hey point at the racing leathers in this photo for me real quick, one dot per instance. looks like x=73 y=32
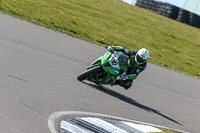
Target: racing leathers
x=134 y=69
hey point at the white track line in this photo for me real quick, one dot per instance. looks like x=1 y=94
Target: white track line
x=52 y=118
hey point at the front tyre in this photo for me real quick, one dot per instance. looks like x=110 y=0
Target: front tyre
x=89 y=73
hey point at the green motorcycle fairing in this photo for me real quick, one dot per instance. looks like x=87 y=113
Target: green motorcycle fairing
x=113 y=64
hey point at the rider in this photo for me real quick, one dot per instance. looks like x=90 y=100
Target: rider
x=137 y=63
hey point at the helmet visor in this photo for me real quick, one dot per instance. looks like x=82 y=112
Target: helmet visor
x=139 y=59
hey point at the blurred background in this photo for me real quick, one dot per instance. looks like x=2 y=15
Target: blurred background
x=185 y=11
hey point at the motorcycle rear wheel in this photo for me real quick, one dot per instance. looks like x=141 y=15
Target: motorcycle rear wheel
x=86 y=74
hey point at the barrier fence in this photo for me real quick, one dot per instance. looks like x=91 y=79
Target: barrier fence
x=170 y=11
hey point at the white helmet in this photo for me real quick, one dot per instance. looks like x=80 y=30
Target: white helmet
x=142 y=56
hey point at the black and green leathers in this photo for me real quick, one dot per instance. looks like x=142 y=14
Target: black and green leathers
x=134 y=69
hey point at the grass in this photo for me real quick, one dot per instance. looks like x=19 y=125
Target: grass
x=171 y=44
x=167 y=131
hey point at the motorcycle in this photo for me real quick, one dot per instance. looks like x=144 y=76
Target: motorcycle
x=106 y=69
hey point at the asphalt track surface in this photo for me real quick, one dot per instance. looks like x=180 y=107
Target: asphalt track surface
x=38 y=70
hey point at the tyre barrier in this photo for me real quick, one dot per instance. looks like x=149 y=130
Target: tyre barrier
x=170 y=11
x=139 y=3
x=175 y=11
x=158 y=7
x=194 y=20
x=183 y=16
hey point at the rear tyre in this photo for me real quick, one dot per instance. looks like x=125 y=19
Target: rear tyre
x=89 y=73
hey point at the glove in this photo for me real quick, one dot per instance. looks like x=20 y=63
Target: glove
x=110 y=49
x=123 y=76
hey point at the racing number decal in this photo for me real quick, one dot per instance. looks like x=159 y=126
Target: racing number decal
x=106 y=56
x=114 y=62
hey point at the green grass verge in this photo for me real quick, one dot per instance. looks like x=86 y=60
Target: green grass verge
x=167 y=131
x=112 y=22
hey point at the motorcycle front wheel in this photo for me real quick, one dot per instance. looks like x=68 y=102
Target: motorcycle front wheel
x=90 y=72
